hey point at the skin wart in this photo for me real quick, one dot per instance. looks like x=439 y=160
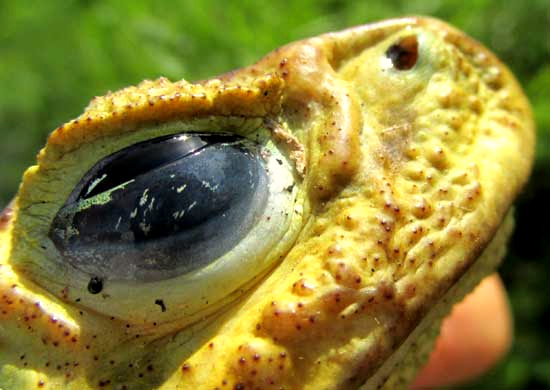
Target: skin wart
x=409 y=143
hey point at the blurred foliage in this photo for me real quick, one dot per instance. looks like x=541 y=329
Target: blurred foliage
x=56 y=55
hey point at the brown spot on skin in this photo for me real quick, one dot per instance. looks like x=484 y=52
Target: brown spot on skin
x=65 y=293
x=345 y=272
x=303 y=287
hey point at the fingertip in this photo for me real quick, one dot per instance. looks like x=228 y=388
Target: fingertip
x=476 y=334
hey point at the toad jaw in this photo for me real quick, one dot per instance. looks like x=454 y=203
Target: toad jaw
x=402 y=176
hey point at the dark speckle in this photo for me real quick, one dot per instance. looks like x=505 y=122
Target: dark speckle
x=95 y=285
x=160 y=302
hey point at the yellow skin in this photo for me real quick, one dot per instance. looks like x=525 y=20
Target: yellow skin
x=401 y=181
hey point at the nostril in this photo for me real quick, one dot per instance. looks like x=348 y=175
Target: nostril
x=404 y=53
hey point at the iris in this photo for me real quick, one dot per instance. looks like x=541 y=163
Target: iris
x=163 y=207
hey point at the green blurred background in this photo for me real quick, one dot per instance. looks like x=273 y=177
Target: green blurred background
x=56 y=55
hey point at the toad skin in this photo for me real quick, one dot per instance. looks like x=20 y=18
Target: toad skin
x=408 y=143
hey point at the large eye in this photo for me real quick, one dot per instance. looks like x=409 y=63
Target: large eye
x=175 y=226
x=162 y=208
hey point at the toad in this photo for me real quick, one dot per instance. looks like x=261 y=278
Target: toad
x=301 y=223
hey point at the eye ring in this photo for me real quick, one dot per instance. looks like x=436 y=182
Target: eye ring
x=404 y=53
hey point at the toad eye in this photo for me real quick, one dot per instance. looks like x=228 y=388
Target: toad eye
x=190 y=218
x=163 y=207
x=404 y=53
